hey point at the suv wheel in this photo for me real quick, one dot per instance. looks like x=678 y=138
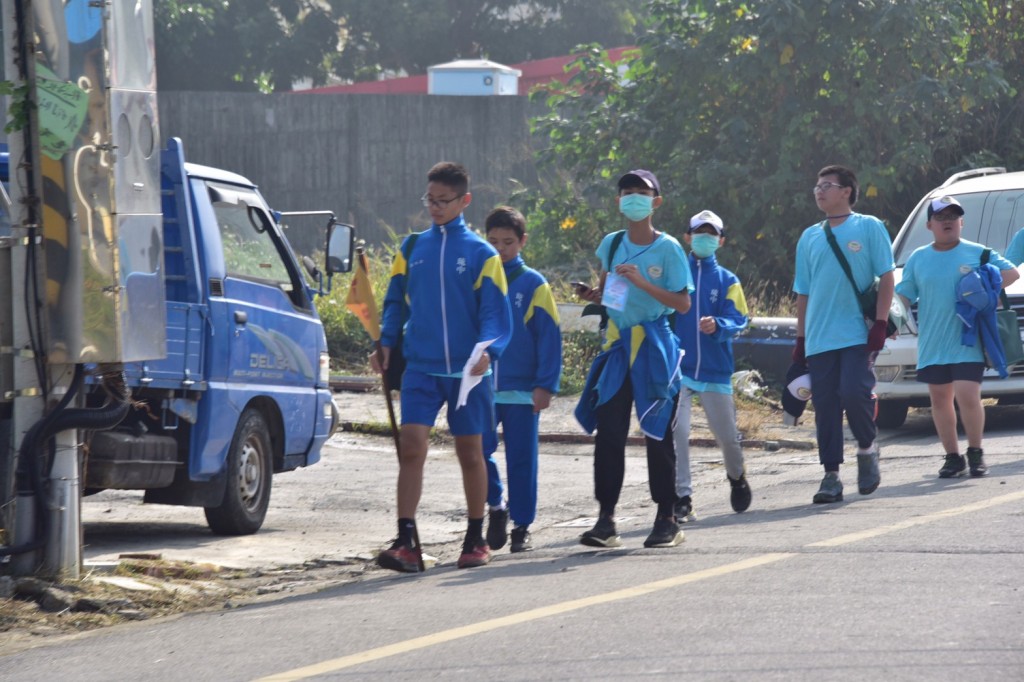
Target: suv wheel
x=891 y=414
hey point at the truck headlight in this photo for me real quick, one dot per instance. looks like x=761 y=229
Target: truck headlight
x=887 y=373
x=325 y=369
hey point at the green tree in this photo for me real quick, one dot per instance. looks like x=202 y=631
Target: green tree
x=736 y=105
x=394 y=36
x=254 y=46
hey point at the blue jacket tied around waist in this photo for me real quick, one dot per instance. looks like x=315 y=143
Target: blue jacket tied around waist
x=653 y=369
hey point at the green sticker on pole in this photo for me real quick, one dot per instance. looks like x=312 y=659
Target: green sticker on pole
x=62 y=110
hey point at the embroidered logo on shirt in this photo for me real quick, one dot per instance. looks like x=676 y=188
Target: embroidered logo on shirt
x=854 y=246
x=460 y=265
x=714 y=295
x=519 y=300
x=654 y=271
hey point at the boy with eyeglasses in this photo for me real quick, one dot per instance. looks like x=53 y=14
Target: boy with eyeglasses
x=524 y=380
x=833 y=340
x=449 y=294
x=952 y=369
x=705 y=331
x=644 y=278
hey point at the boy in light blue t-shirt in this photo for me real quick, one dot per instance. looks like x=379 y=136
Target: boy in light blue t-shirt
x=644 y=277
x=952 y=370
x=833 y=340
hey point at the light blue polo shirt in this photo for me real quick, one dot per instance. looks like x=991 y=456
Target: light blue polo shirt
x=834 y=319
x=663 y=264
x=930 y=279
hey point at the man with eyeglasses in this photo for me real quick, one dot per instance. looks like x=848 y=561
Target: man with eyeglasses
x=449 y=293
x=949 y=355
x=833 y=338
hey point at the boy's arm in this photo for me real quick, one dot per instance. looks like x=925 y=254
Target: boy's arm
x=394 y=310
x=542 y=322
x=495 y=312
x=733 y=317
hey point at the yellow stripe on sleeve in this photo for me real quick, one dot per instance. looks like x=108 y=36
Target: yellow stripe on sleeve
x=493 y=269
x=545 y=300
x=735 y=294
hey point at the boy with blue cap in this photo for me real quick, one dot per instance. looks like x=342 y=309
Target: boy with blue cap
x=952 y=370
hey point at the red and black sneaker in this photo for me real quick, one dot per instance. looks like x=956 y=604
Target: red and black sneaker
x=475 y=555
x=400 y=557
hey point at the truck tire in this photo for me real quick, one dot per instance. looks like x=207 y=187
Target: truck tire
x=891 y=414
x=249 y=472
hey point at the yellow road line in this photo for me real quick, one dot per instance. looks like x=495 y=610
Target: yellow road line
x=376 y=654
x=917 y=521
x=436 y=638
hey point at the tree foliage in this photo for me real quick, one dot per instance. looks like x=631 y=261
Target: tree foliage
x=736 y=105
x=266 y=45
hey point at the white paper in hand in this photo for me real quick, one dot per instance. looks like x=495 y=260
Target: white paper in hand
x=468 y=379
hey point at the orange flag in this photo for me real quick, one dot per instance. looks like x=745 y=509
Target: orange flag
x=360 y=297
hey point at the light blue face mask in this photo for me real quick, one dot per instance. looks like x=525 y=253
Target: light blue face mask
x=703 y=245
x=636 y=207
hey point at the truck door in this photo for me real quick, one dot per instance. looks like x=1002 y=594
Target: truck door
x=275 y=338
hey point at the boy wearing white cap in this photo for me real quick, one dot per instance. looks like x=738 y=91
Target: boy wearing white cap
x=952 y=369
x=717 y=314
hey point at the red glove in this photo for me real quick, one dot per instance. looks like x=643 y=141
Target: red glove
x=876 y=336
x=799 y=354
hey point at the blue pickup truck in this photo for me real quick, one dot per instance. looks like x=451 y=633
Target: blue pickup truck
x=242 y=391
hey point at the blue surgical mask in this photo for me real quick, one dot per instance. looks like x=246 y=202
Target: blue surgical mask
x=636 y=207
x=703 y=245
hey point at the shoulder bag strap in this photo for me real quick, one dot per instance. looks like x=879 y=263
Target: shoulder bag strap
x=839 y=256
x=616 y=240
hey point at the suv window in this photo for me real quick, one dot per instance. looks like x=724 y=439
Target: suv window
x=991 y=218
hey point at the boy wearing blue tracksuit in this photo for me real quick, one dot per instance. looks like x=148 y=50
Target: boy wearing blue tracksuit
x=525 y=378
x=644 y=278
x=449 y=294
x=705 y=331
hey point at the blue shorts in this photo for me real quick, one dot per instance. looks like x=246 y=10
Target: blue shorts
x=423 y=395
x=947 y=374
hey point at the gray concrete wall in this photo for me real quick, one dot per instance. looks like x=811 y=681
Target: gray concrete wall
x=363 y=156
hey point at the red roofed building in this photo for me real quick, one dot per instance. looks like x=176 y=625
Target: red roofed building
x=533 y=73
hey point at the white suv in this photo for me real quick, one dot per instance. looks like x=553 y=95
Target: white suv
x=993 y=202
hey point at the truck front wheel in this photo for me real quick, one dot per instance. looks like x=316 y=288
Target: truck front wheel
x=249 y=472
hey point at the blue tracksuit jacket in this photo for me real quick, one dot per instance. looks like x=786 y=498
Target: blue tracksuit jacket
x=451 y=294
x=718 y=294
x=533 y=359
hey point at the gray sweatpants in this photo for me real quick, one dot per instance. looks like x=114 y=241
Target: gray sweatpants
x=720 y=409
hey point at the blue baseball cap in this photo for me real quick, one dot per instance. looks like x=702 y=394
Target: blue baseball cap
x=646 y=178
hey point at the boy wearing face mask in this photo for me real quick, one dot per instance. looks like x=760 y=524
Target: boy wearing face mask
x=644 y=278
x=705 y=331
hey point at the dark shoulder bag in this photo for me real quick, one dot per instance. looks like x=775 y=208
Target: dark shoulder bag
x=867 y=299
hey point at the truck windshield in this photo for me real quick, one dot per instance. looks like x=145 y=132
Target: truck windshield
x=250 y=251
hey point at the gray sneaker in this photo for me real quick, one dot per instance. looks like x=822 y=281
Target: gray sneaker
x=868 y=475
x=831 y=489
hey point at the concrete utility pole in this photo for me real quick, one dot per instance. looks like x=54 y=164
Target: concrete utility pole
x=28 y=384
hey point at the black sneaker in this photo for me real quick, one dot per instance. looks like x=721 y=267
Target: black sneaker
x=665 y=533
x=976 y=462
x=497 y=528
x=522 y=541
x=603 y=534
x=953 y=466
x=740 y=496
x=684 y=510
x=831 y=489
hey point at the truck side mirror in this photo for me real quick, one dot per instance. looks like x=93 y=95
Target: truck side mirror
x=340 y=246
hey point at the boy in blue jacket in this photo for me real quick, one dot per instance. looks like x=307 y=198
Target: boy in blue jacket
x=450 y=296
x=524 y=380
x=952 y=370
x=705 y=331
x=644 y=278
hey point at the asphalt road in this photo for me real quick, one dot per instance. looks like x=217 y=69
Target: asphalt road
x=919 y=581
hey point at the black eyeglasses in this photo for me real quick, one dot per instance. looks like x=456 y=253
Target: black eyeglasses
x=438 y=203
x=825 y=186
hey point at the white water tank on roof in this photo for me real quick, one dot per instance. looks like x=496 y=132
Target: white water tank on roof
x=472 y=77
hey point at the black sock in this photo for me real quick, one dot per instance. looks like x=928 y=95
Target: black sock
x=666 y=509
x=474 y=533
x=407 y=532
